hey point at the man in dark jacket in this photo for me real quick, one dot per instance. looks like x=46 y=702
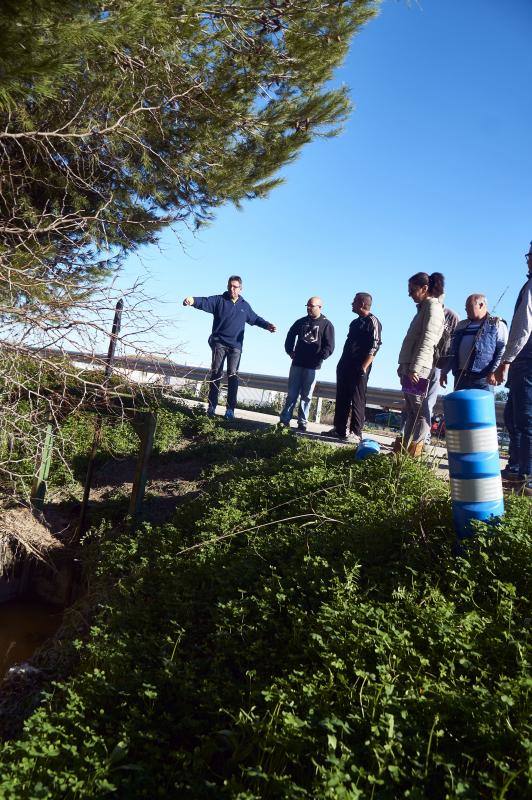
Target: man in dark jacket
x=352 y=373
x=231 y=312
x=518 y=411
x=315 y=343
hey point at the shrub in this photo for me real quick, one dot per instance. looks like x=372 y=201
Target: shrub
x=300 y=630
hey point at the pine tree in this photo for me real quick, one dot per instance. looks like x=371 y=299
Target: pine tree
x=118 y=118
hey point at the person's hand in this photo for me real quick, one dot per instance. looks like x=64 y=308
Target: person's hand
x=491 y=379
x=500 y=373
x=414 y=377
x=272 y=328
x=188 y=301
x=443 y=381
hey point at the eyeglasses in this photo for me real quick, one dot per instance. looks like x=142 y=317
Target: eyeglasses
x=313 y=305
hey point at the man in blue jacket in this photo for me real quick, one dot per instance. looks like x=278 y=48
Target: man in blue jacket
x=231 y=312
x=477 y=345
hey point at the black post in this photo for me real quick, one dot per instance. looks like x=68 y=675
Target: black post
x=98 y=428
x=112 y=344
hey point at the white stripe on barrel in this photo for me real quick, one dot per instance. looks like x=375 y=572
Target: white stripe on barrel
x=476 y=490
x=478 y=440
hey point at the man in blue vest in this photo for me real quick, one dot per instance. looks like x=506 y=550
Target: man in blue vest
x=518 y=411
x=231 y=313
x=476 y=347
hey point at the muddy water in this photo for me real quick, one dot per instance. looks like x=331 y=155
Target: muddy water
x=24 y=625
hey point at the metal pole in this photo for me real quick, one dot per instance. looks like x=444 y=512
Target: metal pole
x=98 y=427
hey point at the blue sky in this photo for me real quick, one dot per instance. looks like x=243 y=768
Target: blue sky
x=433 y=172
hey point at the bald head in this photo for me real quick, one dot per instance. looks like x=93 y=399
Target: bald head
x=476 y=307
x=314 y=305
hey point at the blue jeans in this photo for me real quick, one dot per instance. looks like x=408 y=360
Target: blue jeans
x=518 y=416
x=219 y=353
x=468 y=380
x=301 y=382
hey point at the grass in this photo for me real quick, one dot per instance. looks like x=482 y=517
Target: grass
x=300 y=629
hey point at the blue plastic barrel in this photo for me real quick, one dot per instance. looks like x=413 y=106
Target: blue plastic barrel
x=473 y=449
x=367 y=447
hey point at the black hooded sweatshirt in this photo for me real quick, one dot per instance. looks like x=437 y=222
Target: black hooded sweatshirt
x=315 y=341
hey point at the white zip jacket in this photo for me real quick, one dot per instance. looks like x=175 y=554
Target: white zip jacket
x=422 y=337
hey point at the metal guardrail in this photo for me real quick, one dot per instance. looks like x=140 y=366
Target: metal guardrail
x=384 y=398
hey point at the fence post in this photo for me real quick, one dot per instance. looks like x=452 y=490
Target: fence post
x=98 y=427
x=145 y=427
x=38 y=489
x=317 y=415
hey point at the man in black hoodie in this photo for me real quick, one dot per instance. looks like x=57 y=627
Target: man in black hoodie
x=315 y=343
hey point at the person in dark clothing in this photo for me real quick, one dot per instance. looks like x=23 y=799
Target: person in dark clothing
x=230 y=312
x=517 y=357
x=315 y=343
x=352 y=373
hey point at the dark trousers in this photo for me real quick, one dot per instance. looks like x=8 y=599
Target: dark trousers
x=518 y=416
x=351 y=386
x=471 y=380
x=219 y=353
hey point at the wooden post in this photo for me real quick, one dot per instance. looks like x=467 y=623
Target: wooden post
x=145 y=427
x=319 y=403
x=117 y=321
x=38 y=489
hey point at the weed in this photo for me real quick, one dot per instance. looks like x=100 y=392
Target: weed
x=299 y=630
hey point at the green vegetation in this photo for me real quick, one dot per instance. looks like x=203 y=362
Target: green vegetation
x=298 y=630
x=120 y=117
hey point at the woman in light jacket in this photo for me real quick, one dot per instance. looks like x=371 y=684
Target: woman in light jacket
x=418 y=355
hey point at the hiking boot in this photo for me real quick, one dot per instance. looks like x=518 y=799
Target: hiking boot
x=510 y=474
x=398 y=446
x=229 y=413
x=301 y=428
x=415 y=449
x=211 y=411
x=519 y=485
